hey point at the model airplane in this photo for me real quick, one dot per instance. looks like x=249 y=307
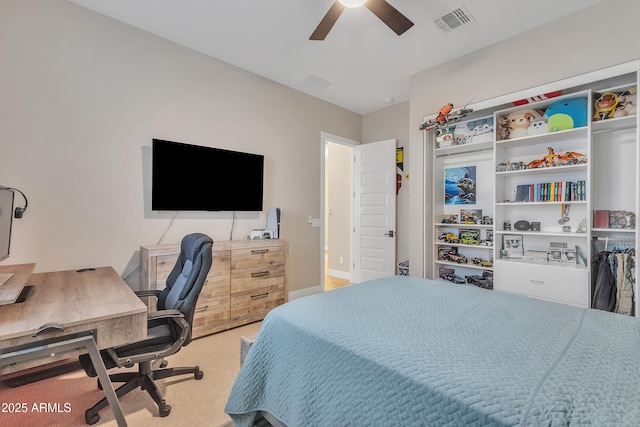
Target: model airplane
x=445 y=116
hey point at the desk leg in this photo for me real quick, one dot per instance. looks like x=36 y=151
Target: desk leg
x=106 y=382
x=67 y=344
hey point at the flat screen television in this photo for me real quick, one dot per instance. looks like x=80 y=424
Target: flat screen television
x=188 y=177
x=6 y=218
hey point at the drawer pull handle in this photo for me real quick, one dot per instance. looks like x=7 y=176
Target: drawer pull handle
x=259 y=251
x=260 y=274
x=537 y=282
x=199 y=309
x=259 y=296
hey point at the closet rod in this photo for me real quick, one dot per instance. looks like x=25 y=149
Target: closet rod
x=613 y=239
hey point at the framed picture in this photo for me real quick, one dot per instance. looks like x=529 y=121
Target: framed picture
x=512 y=243
x=460 y=186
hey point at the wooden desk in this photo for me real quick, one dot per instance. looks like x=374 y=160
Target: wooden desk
x=10 y=291
x=95 y=309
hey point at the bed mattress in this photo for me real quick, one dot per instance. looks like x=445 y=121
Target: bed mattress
x=415 y=352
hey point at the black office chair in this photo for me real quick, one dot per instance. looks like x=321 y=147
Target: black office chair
x=168 y=329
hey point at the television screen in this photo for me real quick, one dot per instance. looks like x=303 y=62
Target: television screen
x=6 y=217
x=189 y=177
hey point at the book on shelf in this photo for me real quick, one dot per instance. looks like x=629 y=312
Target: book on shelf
x=560 y=191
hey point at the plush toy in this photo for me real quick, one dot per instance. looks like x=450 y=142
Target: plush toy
x=462 y=134
x=519 y=122
x=482 y=130
x=538 y=126
x=605 y=106
x=566 y=114
x=502 y=128
x=444 y=138
x=627 y=105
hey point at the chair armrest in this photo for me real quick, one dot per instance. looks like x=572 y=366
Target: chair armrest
x=164 y=314
x=148 y=293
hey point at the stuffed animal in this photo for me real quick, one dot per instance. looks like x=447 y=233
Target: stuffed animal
x=502 y=128
x=482 y=130
x=519 y=122
x=605 y=106
x=538 y=126
x=566 y=114
x=444 y=138
x=462 y=134
x=627 y=105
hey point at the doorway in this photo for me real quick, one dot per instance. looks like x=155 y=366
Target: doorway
x=337 y=211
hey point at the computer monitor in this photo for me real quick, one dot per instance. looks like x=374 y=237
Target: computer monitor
x=6 y=218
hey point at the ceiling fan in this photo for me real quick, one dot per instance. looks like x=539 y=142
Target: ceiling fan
x=383 y=10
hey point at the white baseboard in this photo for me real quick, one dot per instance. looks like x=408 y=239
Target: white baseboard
x=339 y=274
x=305 y=292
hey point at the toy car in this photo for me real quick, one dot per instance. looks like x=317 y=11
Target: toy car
x=470 y=237
x=448 y=237
x=452 y=278
x=449 y=219
x=452 y=257
x=481 y=262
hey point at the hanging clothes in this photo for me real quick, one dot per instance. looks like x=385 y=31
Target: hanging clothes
x=604 y=296
x=624 y=283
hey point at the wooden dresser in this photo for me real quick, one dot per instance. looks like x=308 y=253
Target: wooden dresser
x=247 y=279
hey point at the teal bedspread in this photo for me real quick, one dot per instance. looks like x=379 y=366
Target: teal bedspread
x=403 y=351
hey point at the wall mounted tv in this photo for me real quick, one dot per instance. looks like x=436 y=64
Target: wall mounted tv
x=189 y=177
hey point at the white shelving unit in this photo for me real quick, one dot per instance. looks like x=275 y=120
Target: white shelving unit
x=607 y=166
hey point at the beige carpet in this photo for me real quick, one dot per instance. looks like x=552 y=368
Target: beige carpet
x=62 y=400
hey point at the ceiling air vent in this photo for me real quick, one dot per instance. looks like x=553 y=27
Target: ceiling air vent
x=454 y=19
x=313 y=82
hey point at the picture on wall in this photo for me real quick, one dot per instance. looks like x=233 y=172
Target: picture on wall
x=460 y=186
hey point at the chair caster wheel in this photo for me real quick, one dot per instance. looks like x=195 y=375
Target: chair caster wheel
x=198 y=374
x=91 y=418
x=164 y=410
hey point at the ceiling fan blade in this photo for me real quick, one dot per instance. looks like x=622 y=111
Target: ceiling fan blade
x=389 y=15
x=327 y=22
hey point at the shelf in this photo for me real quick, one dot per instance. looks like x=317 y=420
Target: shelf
x=464 y=148
x=443 y=225
x=578 y=202
x=544 y=233
x=543 y=171
x=465 y=265
x=461 y=245
x=607 y=177
x=545 y=138
x=618 y=123
x=614 y=230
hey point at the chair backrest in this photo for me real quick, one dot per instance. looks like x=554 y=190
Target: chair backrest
x=187 y=278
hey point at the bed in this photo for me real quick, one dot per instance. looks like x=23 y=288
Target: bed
x=414 y=352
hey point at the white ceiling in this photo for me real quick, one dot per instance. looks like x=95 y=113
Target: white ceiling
x=367 y=64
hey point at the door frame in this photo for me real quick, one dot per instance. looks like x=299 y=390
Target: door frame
x=326 y=138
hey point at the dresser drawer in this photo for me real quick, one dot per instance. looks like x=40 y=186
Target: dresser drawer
x=257 y=258
x=250 y=307
x=248 y=281
x=565 y=284
x=164 y=265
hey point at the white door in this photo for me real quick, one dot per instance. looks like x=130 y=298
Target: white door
x=374 y=213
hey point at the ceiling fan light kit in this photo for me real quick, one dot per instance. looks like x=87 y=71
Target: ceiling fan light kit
x=383 y=10
x=352 y=3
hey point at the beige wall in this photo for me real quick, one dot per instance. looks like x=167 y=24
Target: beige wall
x=564 y=48
x=339 y=164
x=82 y=97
